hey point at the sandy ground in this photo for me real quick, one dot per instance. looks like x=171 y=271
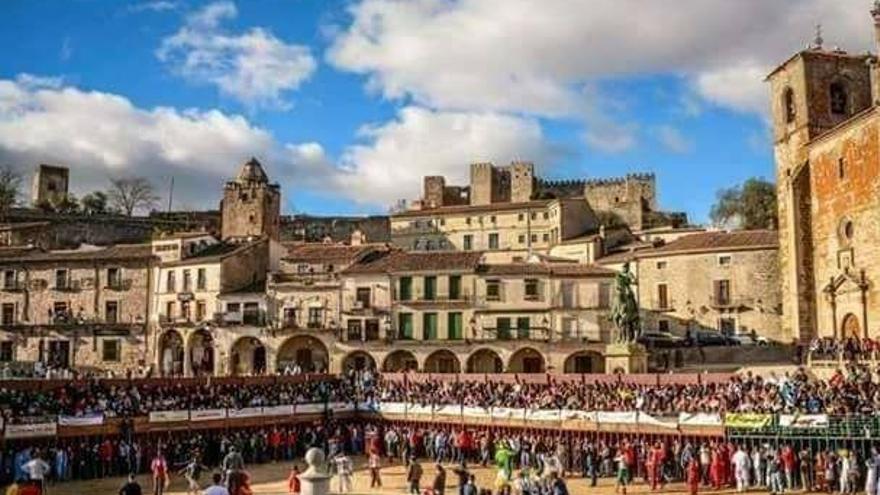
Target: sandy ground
x=272 y=479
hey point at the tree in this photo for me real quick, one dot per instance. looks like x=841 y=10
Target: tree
x=94 y=203
x=10 y=186
x=65 y=204
x=128 y=194
x=749 y=206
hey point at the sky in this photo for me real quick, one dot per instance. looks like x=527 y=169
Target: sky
x=348 y=104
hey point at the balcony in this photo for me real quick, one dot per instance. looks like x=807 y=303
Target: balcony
x=463 y=300
x=663 y=305
x=305 y=279
x=67 y=285
x=13 y=286
x=513 y=333
x=252 y=318
x=730 y=302
x=119 y=284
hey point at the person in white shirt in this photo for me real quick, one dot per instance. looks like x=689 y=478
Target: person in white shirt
x=740 y=462
x=37 y=469
x=344 y=468
x=217 y=488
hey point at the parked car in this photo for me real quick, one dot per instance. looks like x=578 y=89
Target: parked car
x=749 y=339
x=660 y=340
x=707 y=338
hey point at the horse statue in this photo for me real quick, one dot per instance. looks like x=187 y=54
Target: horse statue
x=625 y=310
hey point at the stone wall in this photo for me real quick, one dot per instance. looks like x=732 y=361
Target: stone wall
x=307 y=228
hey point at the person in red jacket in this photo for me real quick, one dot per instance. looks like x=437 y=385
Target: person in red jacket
x=788 y=465
x=716 y=468
x=693 y=476
x=106 y=453
x=293 y=484
x=275 y=444
x=658 y=457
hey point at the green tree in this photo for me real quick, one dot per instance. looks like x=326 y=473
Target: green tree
x=10 y=187
x=66 y=204
x=94 y=203
x=751 y=205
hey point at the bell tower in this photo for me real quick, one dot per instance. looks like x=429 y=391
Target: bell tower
x=251 y=206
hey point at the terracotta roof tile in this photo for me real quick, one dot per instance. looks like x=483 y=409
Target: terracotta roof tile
x=327 y=253
x=447 y=210
x=718 y=241
x=117 y=252
x=402 y=262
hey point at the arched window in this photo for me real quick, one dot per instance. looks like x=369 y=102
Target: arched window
x=839 y=98
x=788 y=105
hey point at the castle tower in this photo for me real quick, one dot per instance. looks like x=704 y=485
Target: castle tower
x=481 y=183
x=811 y=92
x=251 y=206
x=522 y=181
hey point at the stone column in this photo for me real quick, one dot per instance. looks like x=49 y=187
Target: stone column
x=314 y=480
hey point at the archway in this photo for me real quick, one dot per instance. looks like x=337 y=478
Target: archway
x=171 y=354
x=399 y=361
x=526 y=360
x=358 y=360
x=850 y=328
x=201 y=353
x=582 y=362
x=485 y=361
x=248 y=357
x=305 y=352
x=442 y=361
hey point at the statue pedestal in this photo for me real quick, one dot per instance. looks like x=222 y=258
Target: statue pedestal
x=314 y=481
x=626 y=358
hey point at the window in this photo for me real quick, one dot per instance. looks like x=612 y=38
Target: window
x=661 y=265
x=9 y=281
x=727 y=326
x=545 y=237
x=114 y=278
x=492 y=219
x=110 y=350
x=111 y=312
x=201 y=279
x=371 y=330
x=468 y=242
x=841 y=168
x=315 y=317
x=848 y=230
x=185 y=311
x=604 y=295
x=662 y=296
x=663 y=326
x=502 y=327
x=353 y=330
x=453 y=326
x=187 y=281
x=61 y=279
x=722 y=292
x=430 y=288
x=493 y=241
x=493 y=290
x=467 y=220
x=522 y=328
x=7 y=317
x=290 y=317
x=724 y=260
x=546 y=215
x=520 y=217
x=532 y=290
x=788 y=104
x=838 y=98
x=362 y=296
x=405 y=288
x=455 y=287
x=568 y=294
x=170 y=282
x=534 y=238
x=169 y=309
x=233 y=307
x=429 y=326
x=405 y=326
x=60 y=312
x=7 y=351
x=522 y=239
x=534 y=216
x=200 y=310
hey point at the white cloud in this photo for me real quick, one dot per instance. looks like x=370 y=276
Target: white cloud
x=253 y=67
x=611 y=138
x=101 y=135
x=531 y=57
x=154 y=6
x=672 y=139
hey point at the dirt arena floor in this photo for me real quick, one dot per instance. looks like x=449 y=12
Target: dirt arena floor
x=271 y=479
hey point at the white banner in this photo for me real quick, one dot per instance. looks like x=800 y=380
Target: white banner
x=803 y=420
x=542 y=415
x=476 y=412
x=341 y=406
x=699 y=419
x=506 y=413
x=32 y=430
x=90 y=420
x=647 y=419
x=419 y=409
x=278 y=410
x=572 y=415
x=390 y=407
x=309 y=408
x=245 y=412
x=168 y=416
x=450 y=410
x=207 y=414
x=628 y=417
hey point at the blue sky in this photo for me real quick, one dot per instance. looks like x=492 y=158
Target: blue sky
x=349 y=103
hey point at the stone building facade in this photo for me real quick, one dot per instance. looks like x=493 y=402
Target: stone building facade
x=50 y=184
x=251 y=206
x=77 y=308
x=825 y=130
x=724 y=282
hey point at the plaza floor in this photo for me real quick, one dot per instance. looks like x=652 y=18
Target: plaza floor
x=271 y=479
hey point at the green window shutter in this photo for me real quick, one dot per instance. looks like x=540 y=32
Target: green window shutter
x=503 y=328
x=406 y=325
x=522 y=328
x=454 y=326
x=430 y=288
x=429 y=326
x=454 y=287
x=405 y=288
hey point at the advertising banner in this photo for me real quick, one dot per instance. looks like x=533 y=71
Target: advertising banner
x=246 y=412
x=207 y=414
x=278 y=410
x=33 y=430
x=90 y=420
x=699 y=419
x=749 y=421
x=168 y=416
x=803 y=420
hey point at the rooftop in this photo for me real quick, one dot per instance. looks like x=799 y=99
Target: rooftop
x=339 y=254
x=458 y=209
x=400 y=261
x=84 y=253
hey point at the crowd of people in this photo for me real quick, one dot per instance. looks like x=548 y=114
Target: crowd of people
x=849 y=349
x=852 y=391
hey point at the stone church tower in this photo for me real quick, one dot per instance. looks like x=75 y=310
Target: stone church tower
x=251 y=206
x=816 y=94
